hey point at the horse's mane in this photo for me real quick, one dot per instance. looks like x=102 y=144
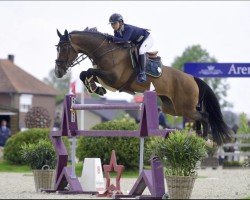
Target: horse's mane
x=90 y=31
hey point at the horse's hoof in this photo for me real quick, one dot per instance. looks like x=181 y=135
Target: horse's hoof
x=100 y=91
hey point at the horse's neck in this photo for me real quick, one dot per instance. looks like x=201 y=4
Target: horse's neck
x=86 y=43
x=100 y=51
x=95 y=47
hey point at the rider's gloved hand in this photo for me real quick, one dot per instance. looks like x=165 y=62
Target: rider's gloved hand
x=110 y=38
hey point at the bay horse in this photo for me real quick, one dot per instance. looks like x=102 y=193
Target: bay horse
x=181 y=94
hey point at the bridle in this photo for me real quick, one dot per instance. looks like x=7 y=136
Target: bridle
x=81 y=57
x=69 y=64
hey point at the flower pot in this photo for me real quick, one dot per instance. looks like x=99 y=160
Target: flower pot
x=180 y=187
x=44 y=178
x=210 y=162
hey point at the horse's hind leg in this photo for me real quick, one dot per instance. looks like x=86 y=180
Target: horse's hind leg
x=167 y=105
x=198 y=123
x=205 y=123
x=199 y=117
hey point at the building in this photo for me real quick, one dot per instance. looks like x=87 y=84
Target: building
x=19 y=91
x=93 y=117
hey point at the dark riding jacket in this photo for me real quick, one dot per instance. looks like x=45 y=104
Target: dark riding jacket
x=130 y=33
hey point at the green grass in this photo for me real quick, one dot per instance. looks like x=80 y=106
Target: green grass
x=8 y=167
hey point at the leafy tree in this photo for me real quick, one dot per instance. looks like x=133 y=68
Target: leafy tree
x=244 y=128
x=62 y=84
x=196 y=54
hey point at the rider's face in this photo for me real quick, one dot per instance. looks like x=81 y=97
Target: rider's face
x=115 y=26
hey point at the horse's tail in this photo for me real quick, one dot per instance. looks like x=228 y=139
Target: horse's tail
x=220 y=131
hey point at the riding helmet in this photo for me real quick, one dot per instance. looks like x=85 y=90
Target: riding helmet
x=115 y=18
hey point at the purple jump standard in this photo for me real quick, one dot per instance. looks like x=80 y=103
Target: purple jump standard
x=149 y=126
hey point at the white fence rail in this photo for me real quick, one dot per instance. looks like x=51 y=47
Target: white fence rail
x=237 y=145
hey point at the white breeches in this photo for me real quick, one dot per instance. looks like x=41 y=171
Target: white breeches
x=146 y=45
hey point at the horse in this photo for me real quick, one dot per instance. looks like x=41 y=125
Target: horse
x=180 y=93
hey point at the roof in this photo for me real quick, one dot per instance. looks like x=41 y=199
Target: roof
x=15 y=80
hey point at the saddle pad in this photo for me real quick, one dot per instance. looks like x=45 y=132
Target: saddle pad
x=153 y=66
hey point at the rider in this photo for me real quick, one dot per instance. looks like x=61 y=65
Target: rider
x=139 y=36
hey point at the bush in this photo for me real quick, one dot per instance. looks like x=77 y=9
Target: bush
x=211 y=150
x=244 y=128
x=127 y=149
x=40 y=154
x=180 y=152
x=12 y=148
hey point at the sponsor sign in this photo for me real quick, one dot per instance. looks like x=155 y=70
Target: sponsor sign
x=218 y=69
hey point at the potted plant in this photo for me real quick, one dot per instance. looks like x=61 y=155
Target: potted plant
x=179 y=154
x=41 y=158
x=210 y=160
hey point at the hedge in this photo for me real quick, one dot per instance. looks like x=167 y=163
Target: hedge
x=12 y=148
x=127 y=149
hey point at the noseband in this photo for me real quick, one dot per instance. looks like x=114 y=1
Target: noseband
x=66 y=62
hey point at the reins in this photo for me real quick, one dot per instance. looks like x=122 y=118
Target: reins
x=81 y=57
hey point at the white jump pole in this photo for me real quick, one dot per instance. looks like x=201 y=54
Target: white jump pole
x=141 y=154
x=73 y=154
x=73 y=144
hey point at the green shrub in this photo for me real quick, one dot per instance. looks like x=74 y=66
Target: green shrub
x=180 y=152
x=127 y=149
x=12 y=148
x=244 y=128
x=211 y=150
x=40 y=154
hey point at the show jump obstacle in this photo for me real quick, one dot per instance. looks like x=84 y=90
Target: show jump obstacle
x=149 y=126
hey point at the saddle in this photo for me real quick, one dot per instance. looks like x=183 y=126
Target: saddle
x=153 y=66
x=153 y=63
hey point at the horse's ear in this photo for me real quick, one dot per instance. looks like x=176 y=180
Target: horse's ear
x=58 y=33
x=66 y=33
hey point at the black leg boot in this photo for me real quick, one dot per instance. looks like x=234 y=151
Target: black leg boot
x=141 y=78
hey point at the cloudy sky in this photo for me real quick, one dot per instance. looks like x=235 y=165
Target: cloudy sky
x=28 y=30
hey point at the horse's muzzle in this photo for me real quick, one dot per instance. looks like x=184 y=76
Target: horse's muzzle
x=59 y=72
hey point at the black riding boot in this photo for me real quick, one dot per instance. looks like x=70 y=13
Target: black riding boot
x=141 y=78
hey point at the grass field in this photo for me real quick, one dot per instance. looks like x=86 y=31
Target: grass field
x=8 y=167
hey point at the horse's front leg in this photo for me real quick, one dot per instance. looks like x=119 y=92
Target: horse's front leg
x=108 y=77
x=89 y=82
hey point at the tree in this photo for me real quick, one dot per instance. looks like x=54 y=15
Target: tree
x=196 y=54
x=62 y=84
x=244 y=128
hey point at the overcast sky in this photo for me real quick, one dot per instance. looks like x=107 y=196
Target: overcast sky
x=28 y=30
